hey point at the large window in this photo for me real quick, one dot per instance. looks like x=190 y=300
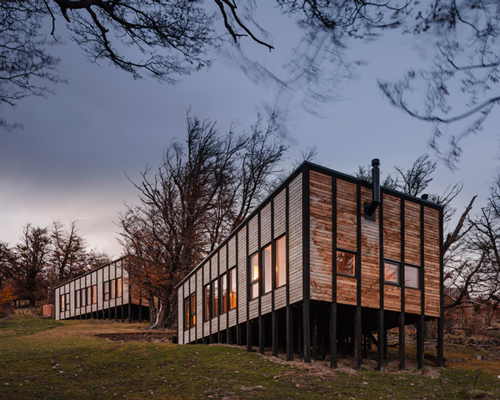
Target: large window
x=119 y=287
x=77 y=299
x=267 y=268
x=345 y=263
x=190 y=312
x=254 y=276
x=391 y=272
x=281 y=261
x=106 y=290
x=64 y=303
x=412 y=275
x=224 y=293
x=215 y=298
x=112 y=289
x=89 y=295
x=232 y=288
x=94 y=294
x=208 y=302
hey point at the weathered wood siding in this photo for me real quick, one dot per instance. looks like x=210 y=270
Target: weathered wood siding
x=180 y=314
x=253 y=308
x=346 y=215
x=370 y=264
x=412 y=233
x=392 y=227
x=113 y=270
x=346 y=237
x=295 y=240
x=280 y=298
x=431 y=262
x=265 y=225
x=320 y=189
x=242 y=275
x=199 y=304
x=266 y=305
x=280 y=214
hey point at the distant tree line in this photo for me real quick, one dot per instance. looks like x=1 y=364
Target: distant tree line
x=44 y=258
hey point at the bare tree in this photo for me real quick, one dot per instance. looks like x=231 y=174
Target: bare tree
x=200 y=192
x=24 y=63
x=461 y=84
x=46 y=257
x=27 y=267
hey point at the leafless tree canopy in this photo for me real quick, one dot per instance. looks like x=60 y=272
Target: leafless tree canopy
x=46 y=257
x=203 y=189
x=461 y=84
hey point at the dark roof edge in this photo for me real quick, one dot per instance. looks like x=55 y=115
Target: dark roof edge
x=91 y=271
x=312 y=166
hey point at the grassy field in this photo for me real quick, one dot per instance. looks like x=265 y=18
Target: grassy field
x=45 y=359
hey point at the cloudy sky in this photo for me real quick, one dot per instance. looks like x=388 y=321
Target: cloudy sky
x=72 y=158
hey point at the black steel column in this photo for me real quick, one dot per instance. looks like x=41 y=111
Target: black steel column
x=402 y=284
x=358 y=353
x=421 y=285
x=381 y=313
x=440 y=343
x=289 y=310
x=306 y=265
x=333 y=306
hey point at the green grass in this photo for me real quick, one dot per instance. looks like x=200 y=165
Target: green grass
x=44 y=359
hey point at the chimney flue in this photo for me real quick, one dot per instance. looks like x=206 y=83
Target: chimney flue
x=371 y=207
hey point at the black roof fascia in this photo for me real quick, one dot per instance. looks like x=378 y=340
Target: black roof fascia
x=312 y=167
x=91 y=271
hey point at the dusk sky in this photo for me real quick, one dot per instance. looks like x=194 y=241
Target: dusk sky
x=70 y=160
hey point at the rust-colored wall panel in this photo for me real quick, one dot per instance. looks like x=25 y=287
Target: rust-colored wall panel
x=431 y=261
x=412 y=301
x=320 y=187
x=392 y=227
x=346 y=215
x=370 y=269
x=346 y=290
x=412 y=233
x=392 y=298
x=295 y=241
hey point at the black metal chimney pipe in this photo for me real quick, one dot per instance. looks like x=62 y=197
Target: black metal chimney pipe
x=376 y=187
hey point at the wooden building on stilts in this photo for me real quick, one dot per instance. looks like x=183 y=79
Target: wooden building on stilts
x=103 y=293
x=323 y=265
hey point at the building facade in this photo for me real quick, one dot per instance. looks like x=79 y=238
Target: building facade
x=326 y=264
x=102 y=293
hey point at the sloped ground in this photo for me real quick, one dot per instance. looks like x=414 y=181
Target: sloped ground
x=44 y=359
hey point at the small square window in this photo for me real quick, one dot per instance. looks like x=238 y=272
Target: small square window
x=391 y=272
x=412 y=275
x=345 y=263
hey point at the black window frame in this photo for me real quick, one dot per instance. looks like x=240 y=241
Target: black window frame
x=106 y=293
x=119 y=285
x=223 y=307
x=418 y=268
x=353 y=253
x=397 y=264
x=190 y=311
x=215 y=290
x=229 y=272
x=94 y=294
x=254 y=282
x=62 y=303
x=207 y=303
x=276 y=274
x=264 y=274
